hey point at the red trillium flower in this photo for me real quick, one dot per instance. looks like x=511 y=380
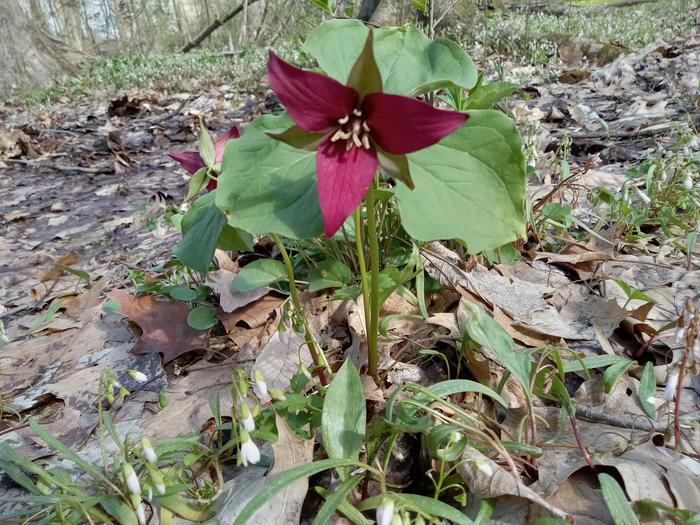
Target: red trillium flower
x=354 y=129
x=193 y=162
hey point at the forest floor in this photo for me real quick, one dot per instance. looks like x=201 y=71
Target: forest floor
x=88 y=196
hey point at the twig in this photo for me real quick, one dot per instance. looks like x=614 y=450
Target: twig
x=216 y=24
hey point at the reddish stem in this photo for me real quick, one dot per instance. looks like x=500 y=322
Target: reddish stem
x=579 y=441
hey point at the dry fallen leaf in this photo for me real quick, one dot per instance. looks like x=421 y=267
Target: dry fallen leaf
x=163 y=324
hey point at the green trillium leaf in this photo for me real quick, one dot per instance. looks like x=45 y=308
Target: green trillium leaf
x=409 y=62
x=364 y=76
x=204 y=229
x=267 y=186
x=468 y=186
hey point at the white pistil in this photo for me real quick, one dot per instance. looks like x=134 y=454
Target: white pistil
x=356 y=140
x=365 y=141
x=365 y=126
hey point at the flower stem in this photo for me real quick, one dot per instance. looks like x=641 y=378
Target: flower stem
x=363 y=267
x=374 y=292
x=318 y=358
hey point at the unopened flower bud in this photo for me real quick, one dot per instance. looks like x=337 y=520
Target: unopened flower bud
x=148 y=453
x=247 y=417
x=137 y=376
x=696 y=349
x=645 y=198
x=277 y=394
x=141 y=514
x=484 y=467
x=385 y=512
x=132 y=482
x=259 y=385
x=671 y=384
x=688 y=182
x=157 y=479
x=249 y=450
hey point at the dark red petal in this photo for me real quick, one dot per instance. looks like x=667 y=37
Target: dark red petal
x=402 y=125
x=223 y=139
x=190 y=160
x=314 y=101
x=343 y=179
x=212 y=185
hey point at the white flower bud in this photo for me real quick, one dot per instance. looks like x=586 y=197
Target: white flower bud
x=132 y=482
x=385 y=512
x=141 y=514
x=259 y=385
x=455 y=436
x=645 y=198
x=148 y=453
x=249 y=450
x=671 y=384
x=157 y=479
x=247 y=417
x=484 y=467
x=696 y=349
x=688 y=182
x=137 y=376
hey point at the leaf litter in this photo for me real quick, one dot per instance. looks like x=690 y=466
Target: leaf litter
x=60 y=165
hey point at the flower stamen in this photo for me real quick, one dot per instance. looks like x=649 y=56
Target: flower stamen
x=357 y=112
x=344 y=120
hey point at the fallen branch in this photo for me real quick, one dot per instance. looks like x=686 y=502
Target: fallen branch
x=216 y=24
x=558 y=10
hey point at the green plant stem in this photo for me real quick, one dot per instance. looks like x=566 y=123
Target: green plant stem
x=374 y=292
x=319 y=361
x=361 y=263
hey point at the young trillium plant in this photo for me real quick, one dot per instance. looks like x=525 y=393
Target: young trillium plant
x=192 y=161
x=354 y=129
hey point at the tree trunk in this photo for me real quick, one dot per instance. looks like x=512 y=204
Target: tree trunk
x=27 y=54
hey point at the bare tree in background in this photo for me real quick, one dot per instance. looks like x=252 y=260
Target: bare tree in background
x=27 y=54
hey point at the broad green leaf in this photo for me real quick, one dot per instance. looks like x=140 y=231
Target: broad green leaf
x=329 y=274
x=183 y=508
x=267 y=186
x=334 y=499
x=280 y=481
x=485 y=331
x=633 y=293
x=620 y=509
x=200 y=227
x=647 y=390
x=119 y=510
x=344 y=414
x=409 y=62
x=469 y=186
x=181 y=293
x=234 y=240
x=613 y=373
x=257 y=274
x=486 y=95
x=202 y=318
x=414 y=502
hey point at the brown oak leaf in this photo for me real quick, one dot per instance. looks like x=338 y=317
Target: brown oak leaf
x=163 y=325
